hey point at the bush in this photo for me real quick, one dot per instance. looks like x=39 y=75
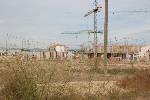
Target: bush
x=18 y=84
x=138 y=82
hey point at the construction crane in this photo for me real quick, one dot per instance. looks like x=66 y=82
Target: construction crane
x=94 y=11
x=75 y=33
x=89 y=32
x=130 y=11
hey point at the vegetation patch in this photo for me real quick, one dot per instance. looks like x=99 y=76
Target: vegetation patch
x=115 y=71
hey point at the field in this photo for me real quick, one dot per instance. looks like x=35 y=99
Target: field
x=77 y=79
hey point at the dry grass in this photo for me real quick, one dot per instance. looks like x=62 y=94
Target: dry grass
x=60 y=80
x=139 y=81
x=137 y=85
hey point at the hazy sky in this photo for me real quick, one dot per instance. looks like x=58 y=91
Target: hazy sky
x=44 y=20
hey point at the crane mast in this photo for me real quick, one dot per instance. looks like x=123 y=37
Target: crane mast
x=95 y=11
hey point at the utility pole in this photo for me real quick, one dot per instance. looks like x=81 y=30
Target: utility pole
x=22 y=44
x=106 y=34
x=6 y=43
x=28 y=43
x=95 y=29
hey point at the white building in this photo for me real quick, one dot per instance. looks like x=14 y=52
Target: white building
x=58 y=51
x=2 y=52
x=145 y=53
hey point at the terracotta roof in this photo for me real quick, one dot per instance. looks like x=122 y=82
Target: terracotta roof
x=57 y=44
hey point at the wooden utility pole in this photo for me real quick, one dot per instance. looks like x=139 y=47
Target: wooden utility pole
x=6 y=44
x=106 y=34
x=95 y=29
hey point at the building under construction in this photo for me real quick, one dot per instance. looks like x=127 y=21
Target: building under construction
x=118 y=52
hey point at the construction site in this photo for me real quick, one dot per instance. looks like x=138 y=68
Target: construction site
x=89 y=62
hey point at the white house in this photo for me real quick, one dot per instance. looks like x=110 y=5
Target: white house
x=145 y=53
x=58 y=51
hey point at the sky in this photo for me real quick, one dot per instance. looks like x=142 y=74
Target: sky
x=43 y=20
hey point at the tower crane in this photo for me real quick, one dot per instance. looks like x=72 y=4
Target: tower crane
x=83 y=32
x=94 y=11
x=130 y=11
